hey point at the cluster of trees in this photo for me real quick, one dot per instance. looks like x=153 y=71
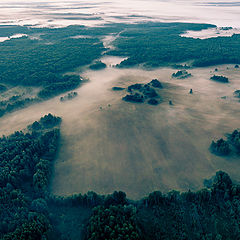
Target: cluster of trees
x=118 y=88
x=159 y=44
x=211 y=214
x=152 y=101
x=46 y=122
x=90 y=199
x=98 y=65
x=220 y=147
x=115 y=222
x=180 y=66
x=234 y=139
x=14 y=103
x=221 y=79
x=68 y=82
x=230 y=145
x=237 y=93
x=181 y=74
x=141 y=92
x=69 y=96
x=155 y=83
x=25 y=170
x=136 y=97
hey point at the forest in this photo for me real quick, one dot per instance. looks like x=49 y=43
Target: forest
x=42 y=58
x=41 y=61
x=98 y=65
x=29 y=212
x=160 y=44
x=25 y=170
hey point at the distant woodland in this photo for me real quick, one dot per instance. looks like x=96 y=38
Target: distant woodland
x=42 y=58
x=45 y=56
x=41 y=61
x=160 y=44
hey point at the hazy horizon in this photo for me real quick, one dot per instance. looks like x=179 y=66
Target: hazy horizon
x=58 y=13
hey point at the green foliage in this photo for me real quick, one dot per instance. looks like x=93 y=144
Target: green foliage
x=234 y=139
x=43 y=62
x=181 y=74
x=155 y=83
x=25 y=170
x=220 y=147
x=118 y=88
x=153 y=101
x=237 y=93
x=67 y=83
x=9 y=30
x=28 y=212
x=34 y=62
x=115 y=222
x=225 y=147
x=98 y=65
x=158 y=44
x=14 y=103
x=141 y=92
x=34 y=229
x=221 y=79
x=207 y=214
x=69 y=96
x=50 y=121
x=136 y=97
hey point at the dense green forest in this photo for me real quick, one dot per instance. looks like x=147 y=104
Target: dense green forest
x=98 y=65
x=41 y=63
x=25 y=169
x=29 y=212
x=160 y=44
x=42 y=58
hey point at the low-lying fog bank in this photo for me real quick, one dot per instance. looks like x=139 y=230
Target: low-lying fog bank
x=108 y=144
x=58 y=13
x=212 y=33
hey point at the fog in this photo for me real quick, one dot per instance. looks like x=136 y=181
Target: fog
x=57 y=13
x=107 y=144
